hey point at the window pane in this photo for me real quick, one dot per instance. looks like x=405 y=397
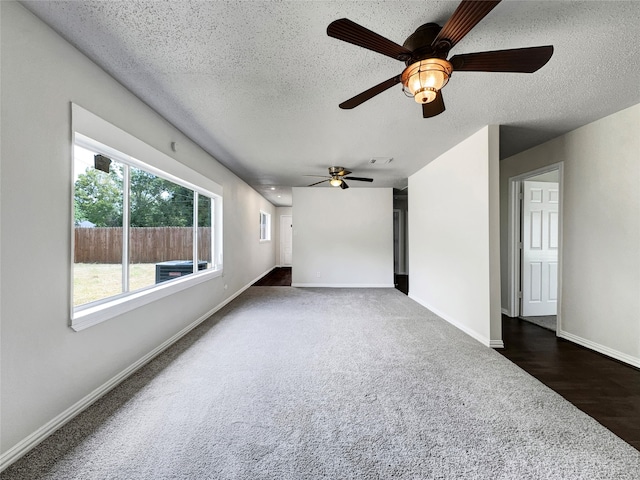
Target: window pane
x=98 y=200
x=205 y=234
x=161 y=232
x=265 y=226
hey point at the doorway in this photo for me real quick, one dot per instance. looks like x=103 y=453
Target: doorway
x=286 y=240
x=400 y=230
x=534 y=247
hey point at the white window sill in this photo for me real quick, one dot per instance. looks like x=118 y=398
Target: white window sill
x=88 y=316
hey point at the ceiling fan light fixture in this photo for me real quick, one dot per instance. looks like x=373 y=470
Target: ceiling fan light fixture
x=335 y=182
x=423 y=79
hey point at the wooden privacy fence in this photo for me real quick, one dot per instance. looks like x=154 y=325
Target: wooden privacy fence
x=146 y=244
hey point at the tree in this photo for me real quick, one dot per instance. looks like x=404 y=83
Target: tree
x=154 y=201
x=98 y=198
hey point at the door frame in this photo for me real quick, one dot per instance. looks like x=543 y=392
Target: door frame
x=402 y=243
x=513 y=242
x=280 y=239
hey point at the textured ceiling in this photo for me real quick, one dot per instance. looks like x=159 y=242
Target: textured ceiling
x=257 y=83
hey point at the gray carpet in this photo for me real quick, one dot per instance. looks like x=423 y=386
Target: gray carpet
x=288 y=383
x=545 y=321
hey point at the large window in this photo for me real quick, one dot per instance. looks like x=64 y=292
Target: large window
x=140 y=232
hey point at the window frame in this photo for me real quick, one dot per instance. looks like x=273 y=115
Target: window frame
x=91 y=131
x=267 y=229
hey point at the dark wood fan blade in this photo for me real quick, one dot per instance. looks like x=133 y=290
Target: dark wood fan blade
x=348 y=31
x=522 y=60
x=344 y=185
x=321 y=181
x=360 y=179
x=368 y=94
x=434 y=108
x=320 y=176
x=466 y=16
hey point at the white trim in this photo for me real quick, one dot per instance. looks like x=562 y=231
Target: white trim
x=31 y=441
x=87 y=317
x=513 y=223
x=496 y=344
x=610 y=352
x=513 y=250
x=344 y=285
x=267 y=230
x=472 y=333
x=505 y=312
x=138 y=152
x=196 y=224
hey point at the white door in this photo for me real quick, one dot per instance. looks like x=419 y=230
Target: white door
x=540 y=248
x=286 y=239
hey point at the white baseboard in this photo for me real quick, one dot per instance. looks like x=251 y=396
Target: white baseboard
x=610 y=352
x=505 y=311
x=31 y=441
x=472 y=333
x=344 y=285
x=496 y=343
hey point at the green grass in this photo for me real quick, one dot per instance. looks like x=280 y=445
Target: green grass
x=95 y=281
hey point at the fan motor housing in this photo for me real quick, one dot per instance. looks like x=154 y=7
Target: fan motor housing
x=419 y=42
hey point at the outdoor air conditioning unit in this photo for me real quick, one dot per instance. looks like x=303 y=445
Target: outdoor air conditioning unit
x=175 y=269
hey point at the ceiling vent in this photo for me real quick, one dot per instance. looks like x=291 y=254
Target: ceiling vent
x=380 y=160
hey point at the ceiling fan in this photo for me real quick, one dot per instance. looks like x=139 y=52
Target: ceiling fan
x=337 y=177
x=425 y=53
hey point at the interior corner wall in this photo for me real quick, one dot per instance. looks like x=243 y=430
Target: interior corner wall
x=600 y=272
x=46 y=367
x=342 y=238
x=453 y=236
x=279 y=212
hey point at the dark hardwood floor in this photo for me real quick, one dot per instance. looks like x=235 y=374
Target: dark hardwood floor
x=278 y=277
x=281 y=277
x=402 y=283
x=603 y=388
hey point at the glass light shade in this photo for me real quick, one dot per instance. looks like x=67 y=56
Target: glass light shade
x=335 y=182
x=423 y=79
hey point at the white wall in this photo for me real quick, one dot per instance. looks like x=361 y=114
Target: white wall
x=454 y=237
x=344 y=236
x=279 y=212
x=46 y=366
x=600 y=297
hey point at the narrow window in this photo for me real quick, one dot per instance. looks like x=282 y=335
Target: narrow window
x=265 y=227
x=98 y=218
